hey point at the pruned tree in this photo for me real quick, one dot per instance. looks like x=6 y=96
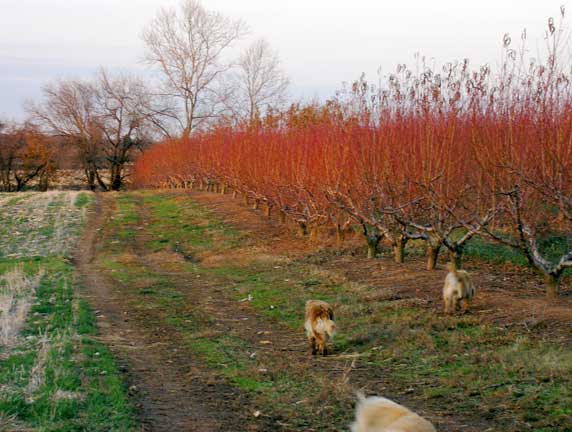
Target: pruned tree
x=188 y=46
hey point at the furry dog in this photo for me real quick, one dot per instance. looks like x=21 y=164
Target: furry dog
x=458 y=286
x=378 y=414
x=319 y=325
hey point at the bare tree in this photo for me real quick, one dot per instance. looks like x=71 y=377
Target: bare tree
x=188 y=46
x=262 y=83
x=121 y=104
x=26 y=155
x=107 y=119
x=68 y=110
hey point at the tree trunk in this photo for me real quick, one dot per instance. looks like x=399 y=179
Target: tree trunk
x=223 y=189
x=399 y=249
x=373 y=238
x=314 y=231
x=282 y=217
x=245 y=197
x=372 y=245
x=398 y=252
x=552 y=286
x=116 y=180
x=268 y=210
x=44 y=183
x=302 y=229
x=256 y=204
x=90 y=179
x=371 y=250
x=432 y=256
x=456 y=257
x=234 y=194
x=340 y=237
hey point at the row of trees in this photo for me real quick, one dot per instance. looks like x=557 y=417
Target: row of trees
x=439 y=155
x=110 y=118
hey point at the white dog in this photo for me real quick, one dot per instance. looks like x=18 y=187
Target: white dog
x=378 y=414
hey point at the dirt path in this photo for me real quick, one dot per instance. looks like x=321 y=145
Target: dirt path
x=172 y=392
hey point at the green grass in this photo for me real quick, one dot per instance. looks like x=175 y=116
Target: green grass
x=77 y=384
x=55 y=376
x=517 y=380
x=83 y=200
x=460 y=362
x=165 y=305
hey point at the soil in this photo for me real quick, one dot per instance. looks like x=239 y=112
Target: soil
x=176 y=392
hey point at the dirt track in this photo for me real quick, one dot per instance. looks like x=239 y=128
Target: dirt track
x=171 y=391
x=176 y=393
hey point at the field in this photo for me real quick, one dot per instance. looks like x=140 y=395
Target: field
x=54 y=374
x=199 y=299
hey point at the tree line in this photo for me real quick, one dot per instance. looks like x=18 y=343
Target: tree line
x=110 y=118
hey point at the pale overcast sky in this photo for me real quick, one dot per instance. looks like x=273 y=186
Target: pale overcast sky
x=321 y=42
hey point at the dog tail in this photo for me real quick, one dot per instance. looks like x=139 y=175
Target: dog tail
x=330 y=328
x=325 y=325
x=452 y=268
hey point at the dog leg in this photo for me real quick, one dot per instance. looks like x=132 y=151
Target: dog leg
x=454 y=305
x=465 y=306
x=321 y=344
x=313 y=345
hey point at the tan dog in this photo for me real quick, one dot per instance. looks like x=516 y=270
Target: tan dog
x=319 y=325
x=378 y=414
x=458 y=286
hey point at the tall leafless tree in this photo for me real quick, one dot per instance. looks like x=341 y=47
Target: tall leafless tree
x=262 y=83
x=68 y=110
x=188 y=45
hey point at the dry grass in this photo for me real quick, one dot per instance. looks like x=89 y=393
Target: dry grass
x=17 y=292
x=38 y=372
x=241 y=257
x=39 y=223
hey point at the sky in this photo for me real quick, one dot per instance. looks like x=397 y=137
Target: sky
x=321 y=43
